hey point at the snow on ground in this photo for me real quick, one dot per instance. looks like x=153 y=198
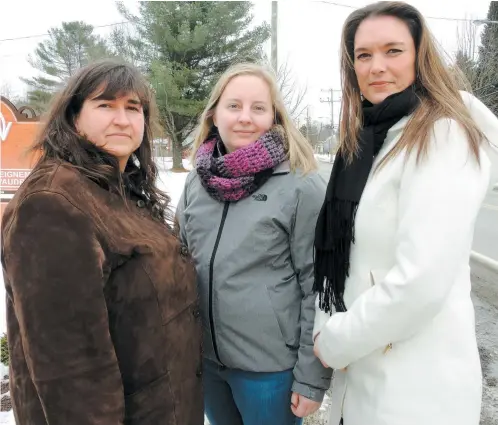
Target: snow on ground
x=7 y=418
x=169 y=182
x=324 y=157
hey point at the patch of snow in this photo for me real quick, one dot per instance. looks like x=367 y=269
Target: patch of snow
x=324 y=158
x=173 y=183
x=7 y=418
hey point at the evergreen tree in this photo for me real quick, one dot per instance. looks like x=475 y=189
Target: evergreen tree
x=67 y=49
x=4 y=350
x=184 y=47
x=487 y=65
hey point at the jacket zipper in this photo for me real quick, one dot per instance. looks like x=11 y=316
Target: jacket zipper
x=211 y=272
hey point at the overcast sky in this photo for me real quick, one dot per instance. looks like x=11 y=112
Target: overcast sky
x=308 y=34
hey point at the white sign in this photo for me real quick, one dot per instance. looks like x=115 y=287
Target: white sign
x=13 y=178
x=4 y=128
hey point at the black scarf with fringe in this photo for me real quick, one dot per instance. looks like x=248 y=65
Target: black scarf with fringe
x=334 y=232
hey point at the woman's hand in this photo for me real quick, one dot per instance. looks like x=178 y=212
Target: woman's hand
x=302 y=406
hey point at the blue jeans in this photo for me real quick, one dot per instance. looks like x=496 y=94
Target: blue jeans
x=235 y=397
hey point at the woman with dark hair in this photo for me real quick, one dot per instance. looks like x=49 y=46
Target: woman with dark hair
x=102 y=312
x=394 y=235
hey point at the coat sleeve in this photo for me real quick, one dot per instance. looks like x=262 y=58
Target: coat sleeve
x=439 y=200
x=53 y=265
x=180 y=209
x=311 y=379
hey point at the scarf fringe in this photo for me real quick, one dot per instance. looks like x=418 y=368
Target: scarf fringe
x=332 y=264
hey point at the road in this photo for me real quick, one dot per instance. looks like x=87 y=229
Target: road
x=484 y=296
x=486 y=230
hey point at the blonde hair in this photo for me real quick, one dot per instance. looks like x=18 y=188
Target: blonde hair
x=436 y=86
x=298 y=149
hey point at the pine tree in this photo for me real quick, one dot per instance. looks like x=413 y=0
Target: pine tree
x=4 y=350
x=184 y=47
x=67 y=49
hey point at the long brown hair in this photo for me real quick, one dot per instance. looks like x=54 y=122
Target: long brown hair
x=437 y=87
x=59 y=139
x=298 y=148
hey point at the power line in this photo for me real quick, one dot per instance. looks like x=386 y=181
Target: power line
x=480 y=21
x=44 y=35
x=475 y=21
x=336 y=4
x=442 y=18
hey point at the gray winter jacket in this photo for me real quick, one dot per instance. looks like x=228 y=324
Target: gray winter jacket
x=254 y=261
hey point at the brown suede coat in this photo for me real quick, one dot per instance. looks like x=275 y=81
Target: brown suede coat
x=103 y=325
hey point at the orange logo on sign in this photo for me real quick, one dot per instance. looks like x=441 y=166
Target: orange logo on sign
x=17 y=133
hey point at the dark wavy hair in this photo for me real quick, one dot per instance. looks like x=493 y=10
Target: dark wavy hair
x=59 y=139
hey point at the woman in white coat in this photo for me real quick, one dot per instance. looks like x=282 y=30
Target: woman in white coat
x=394 y=235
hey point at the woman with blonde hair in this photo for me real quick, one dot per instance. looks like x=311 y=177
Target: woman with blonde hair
x=393 y=239
x=245 y=216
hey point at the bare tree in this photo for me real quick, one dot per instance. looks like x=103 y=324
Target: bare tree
x=7 y=92
x=292 y=94
x=473 y=70
x=466 y=56
x=475 y=65
x=124 y=43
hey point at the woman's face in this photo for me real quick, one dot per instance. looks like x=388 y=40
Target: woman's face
x=384 y=57
x=116 y=125
x=244 y=112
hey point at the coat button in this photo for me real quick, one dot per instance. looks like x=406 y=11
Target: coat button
x=196 y=312
x=198 y=372
x=140 y=203
x=183 y=251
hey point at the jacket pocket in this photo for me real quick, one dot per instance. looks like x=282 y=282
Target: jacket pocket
x=152 y=404
x=285 y=301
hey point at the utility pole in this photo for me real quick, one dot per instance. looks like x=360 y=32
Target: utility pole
x=330 y=100
x=274 y=35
